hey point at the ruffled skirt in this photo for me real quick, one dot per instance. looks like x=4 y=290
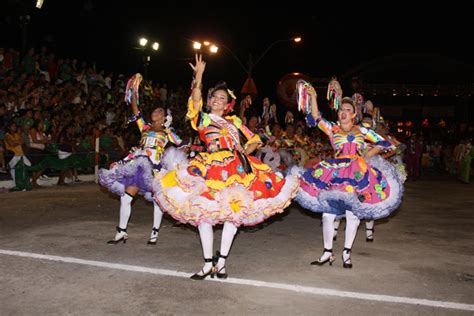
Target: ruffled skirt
x=137 y=171
x=371 y=189
x=215 y=188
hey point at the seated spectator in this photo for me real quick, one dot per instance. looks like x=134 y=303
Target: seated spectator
x=37 y=148
x=17 y=161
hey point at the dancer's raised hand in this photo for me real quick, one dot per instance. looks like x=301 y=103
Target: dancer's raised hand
x=200 y=65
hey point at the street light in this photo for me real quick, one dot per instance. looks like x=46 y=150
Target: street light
x=145 y=57
x=249 y=85
x=212 y=47
x=143 y=41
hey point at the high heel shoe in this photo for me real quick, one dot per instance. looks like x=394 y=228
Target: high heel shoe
x=153 y=236
x=329 y=259
x=121 y=235
x=369 y=237
x=220 y=275
x=347 y=263
x=197 y=276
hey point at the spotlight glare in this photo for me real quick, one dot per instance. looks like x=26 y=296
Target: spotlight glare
x=143 y=41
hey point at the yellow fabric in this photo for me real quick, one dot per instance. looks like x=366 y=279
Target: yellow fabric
x=235 y=120
x=220 y=157
x=192 y=113
x=219 y=185
x=169 y=180
x=362 y=165
x=254 y=140
x=18 y=150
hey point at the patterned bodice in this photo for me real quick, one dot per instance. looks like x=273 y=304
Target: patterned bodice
x=216 y=138
x=352 y=143
x=220 y=133
x=348 y=144
x=152 y=143
x=151 y=139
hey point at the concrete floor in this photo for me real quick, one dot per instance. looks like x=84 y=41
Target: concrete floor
x=424 y=253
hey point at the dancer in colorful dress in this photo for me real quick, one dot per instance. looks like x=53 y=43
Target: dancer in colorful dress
x=347 y=185
x=134 y=174
x=395 y=157
x=223 y=184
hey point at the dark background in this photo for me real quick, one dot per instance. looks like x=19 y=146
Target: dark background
x=336 y=39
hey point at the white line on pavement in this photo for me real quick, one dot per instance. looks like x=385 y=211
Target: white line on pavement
x=280 y=286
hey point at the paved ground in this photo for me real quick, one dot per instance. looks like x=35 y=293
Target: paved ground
x=54 y=260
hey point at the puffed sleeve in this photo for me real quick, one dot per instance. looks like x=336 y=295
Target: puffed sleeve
x=323 y=124
x=376 y=139
x=197 y=116
x=248 y=134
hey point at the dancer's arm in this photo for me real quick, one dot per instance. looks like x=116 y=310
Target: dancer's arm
x=196 y=94
x=134 y=105
x=315 y=118
x=314 y=103
x=380 y=143
x=195 y=100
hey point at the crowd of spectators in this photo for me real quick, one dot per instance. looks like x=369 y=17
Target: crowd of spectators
x=54 y=107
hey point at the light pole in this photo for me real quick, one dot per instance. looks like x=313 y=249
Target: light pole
x=252 y=65
x=249 y=85
x=146 y=58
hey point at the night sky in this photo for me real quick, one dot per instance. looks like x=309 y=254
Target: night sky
x=334 y=39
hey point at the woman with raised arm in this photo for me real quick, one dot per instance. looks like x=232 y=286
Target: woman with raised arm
x=223 y=184
x=134 y=174
x=347 y=185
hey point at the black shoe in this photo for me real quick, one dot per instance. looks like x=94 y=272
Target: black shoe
x=347 y=263
x=121 y=235
x=220 y=275
x=370 y=238
x=330 y=259
x=197 y=276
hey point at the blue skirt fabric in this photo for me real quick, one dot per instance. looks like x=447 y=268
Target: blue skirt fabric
x=137 y=172
x=337 y=202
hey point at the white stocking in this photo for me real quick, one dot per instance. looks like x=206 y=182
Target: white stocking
x=228 y=234
x=157 y=217
x=207 y=239
x=328 y=234
x=328 y=229
x=352 y=223
x=125 y=210
x=337 y=222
